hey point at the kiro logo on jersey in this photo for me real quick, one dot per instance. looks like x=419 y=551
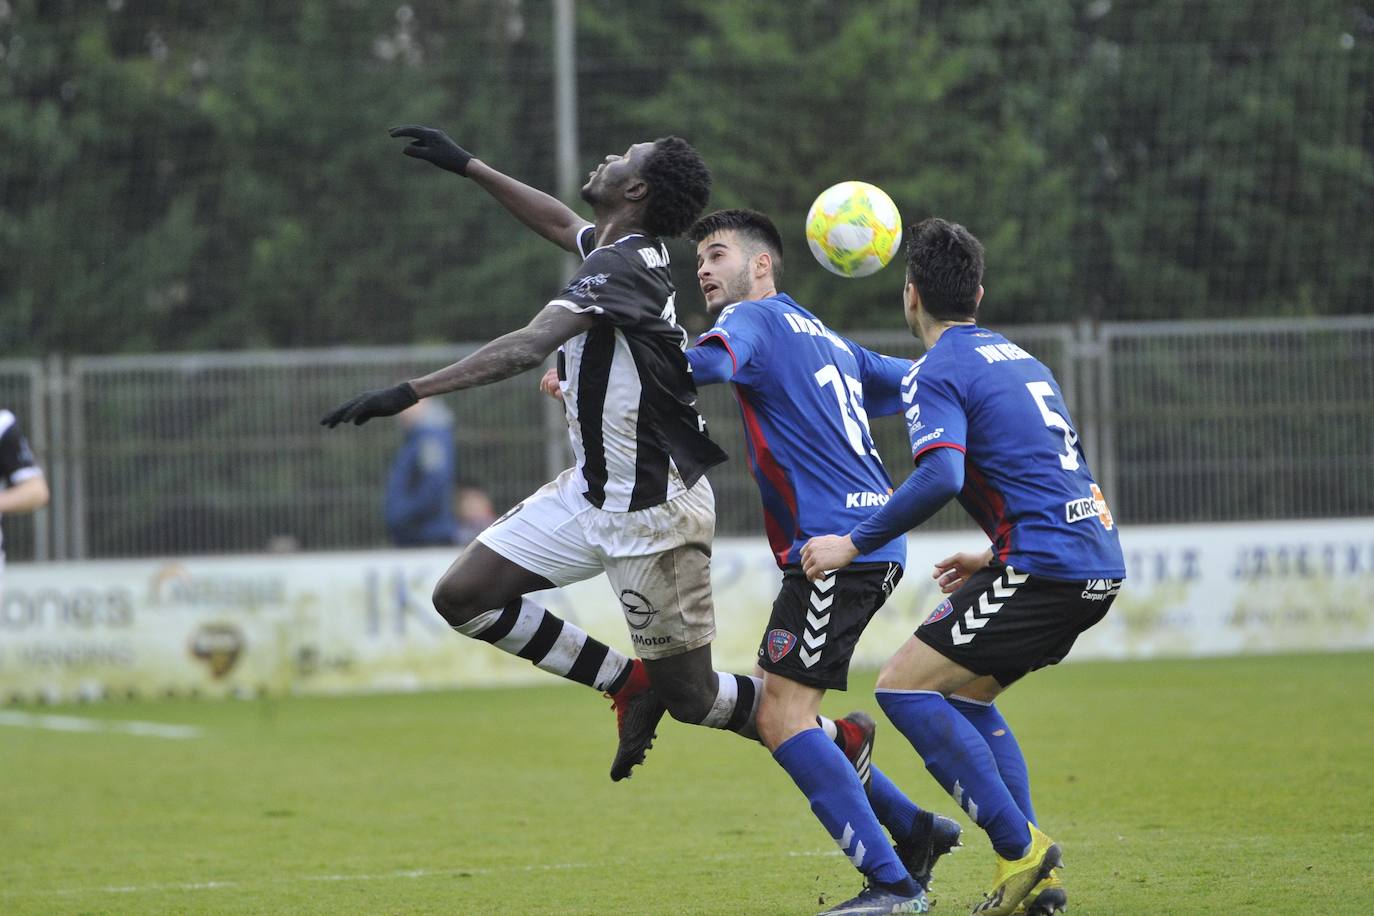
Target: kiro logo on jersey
x=1095 y=506
x=864 y=500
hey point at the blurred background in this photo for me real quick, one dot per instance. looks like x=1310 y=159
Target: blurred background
x=207 y=238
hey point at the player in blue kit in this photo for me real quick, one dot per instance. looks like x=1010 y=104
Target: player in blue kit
x=988 y=425
x=805 y=394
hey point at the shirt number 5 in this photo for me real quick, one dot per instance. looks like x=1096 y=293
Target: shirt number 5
x=1041 y=391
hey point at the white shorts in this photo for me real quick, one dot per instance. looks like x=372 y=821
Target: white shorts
x=658 y=560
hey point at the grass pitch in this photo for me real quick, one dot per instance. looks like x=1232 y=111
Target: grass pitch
x=1225 y=786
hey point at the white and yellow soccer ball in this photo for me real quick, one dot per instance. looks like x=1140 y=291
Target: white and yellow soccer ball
x=853 y=229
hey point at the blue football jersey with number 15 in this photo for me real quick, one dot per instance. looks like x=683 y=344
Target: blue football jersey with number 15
x=805 y=394
x=1026 y=481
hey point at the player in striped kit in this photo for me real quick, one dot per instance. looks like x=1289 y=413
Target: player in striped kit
x=636 y=504
x=988 y=424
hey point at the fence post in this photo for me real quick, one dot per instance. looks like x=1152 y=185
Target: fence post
x=52 y=383
x=36 y=422
x=76 y=462
x=1106 y=413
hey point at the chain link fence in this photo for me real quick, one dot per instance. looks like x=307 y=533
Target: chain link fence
x=222 y=453
x=1225 y=421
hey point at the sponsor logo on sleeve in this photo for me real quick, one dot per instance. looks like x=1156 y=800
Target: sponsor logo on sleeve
x=779 y=643
x=584 y=287
x=931 y=436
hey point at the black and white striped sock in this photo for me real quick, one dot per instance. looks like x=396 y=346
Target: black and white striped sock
x=525 y=629
x=736 y=705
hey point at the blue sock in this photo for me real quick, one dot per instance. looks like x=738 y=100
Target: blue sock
x=895 y=811
x=827 y=779
x=961 y=761
x=1011 y=764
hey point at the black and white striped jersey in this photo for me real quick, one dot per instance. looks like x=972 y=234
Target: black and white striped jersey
x=627 y=389
x=16 y=459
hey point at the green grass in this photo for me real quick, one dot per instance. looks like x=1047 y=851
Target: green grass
x=1226 y=786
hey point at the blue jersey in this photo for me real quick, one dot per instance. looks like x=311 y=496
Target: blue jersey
x=1026 y=481
x=801 y=390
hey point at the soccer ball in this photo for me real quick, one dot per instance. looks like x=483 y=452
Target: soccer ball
x=853 y=229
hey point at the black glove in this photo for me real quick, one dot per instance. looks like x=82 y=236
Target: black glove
x=380 y=403
x=433 y=145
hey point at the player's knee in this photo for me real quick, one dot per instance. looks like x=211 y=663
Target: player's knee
x=776 y=722
x=895 y=676
x=456 y=601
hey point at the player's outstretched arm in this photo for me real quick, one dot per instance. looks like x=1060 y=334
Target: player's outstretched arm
x=542 y=212
x=505 y=356
x=509 y=354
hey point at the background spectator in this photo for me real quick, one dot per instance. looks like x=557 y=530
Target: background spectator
x=419 y=487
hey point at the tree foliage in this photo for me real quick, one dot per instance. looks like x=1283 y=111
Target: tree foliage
x=192 y=175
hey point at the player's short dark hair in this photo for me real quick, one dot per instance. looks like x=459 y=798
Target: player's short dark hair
x=945 y=262
x=679 y=186
x=750 y=224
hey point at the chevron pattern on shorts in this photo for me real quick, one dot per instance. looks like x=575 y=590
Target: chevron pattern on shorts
x=817 y=619
x=986 y=607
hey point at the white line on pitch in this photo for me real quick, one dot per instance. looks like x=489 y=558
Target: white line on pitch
x=78 y=724
x=383 y=876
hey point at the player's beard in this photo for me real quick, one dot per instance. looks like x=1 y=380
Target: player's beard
x=737 y=288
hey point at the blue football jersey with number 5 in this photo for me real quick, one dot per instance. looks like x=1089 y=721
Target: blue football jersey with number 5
x=1026 y=481
x=805 y=395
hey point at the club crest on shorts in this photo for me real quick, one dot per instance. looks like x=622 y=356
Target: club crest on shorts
x=780 y=642
x=942 y=611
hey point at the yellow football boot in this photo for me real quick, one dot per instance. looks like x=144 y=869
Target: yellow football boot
x=1016 y=877
x=1045 y=899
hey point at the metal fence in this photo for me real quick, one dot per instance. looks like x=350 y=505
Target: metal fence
x=214 y=453
x=1231 y=421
